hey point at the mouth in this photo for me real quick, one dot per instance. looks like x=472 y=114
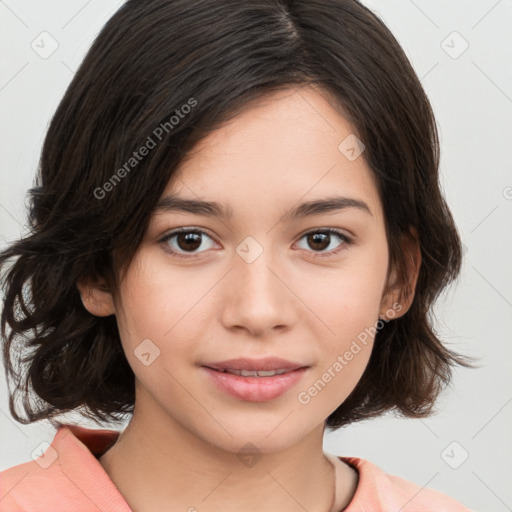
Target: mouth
x=266 y=364
x=253 y=373
x=255 y=380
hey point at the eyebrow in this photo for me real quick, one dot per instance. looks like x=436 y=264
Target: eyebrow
x=215 y=209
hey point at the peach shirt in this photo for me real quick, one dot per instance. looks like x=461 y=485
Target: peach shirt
x=68 y=477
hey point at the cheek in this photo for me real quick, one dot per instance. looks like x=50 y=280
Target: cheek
x=346 y=305
x=155 y=298
x=347 y=300
x=160 y=316
x=345 y=351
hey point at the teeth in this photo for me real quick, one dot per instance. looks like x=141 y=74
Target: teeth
x=254 y=373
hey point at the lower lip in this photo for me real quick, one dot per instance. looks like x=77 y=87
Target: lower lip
x=255 y=389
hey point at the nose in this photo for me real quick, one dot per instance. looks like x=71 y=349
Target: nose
x=257 y=297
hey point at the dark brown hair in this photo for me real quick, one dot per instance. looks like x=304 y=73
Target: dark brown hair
x=151 y=60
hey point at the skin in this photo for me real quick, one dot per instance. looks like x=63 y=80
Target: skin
x=180 y=448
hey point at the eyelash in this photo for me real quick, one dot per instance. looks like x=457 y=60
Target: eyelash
x=331 y=231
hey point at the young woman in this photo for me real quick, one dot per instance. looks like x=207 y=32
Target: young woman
x=237 y=236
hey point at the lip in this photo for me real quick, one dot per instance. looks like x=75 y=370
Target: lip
x=266 y=363
x=254 y=389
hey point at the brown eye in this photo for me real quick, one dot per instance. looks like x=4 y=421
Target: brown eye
x=320 y=240
x=183 y=241
x=188 y=241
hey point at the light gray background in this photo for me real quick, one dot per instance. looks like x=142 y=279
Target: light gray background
x=472 y=97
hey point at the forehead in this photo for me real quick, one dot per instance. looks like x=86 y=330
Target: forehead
x=287 y=147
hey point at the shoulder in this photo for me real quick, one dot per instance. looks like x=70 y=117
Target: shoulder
x=26 y=486
x=377 y=490
x=67 y=476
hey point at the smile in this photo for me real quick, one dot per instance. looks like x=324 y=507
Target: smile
x=254 y=385
x=254 y=373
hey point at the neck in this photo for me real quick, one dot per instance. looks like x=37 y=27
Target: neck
x=156 y=461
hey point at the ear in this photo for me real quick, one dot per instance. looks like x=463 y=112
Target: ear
x=399 y=291
x=96 y=296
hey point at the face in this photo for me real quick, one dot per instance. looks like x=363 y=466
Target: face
x=261 y=282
